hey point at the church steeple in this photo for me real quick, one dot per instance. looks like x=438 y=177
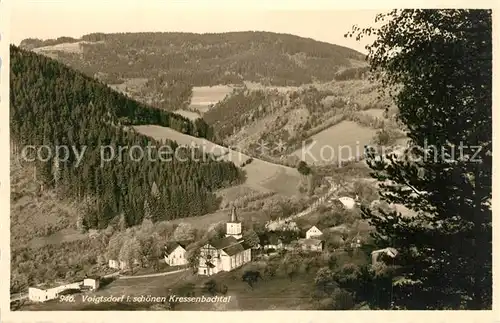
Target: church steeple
x=233 y=226
x=233 y=217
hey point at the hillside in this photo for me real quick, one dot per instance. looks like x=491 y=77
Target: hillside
x=204 y=59
x=168 y=65
x=290 y=118
x=54 y=106
x=261 y=175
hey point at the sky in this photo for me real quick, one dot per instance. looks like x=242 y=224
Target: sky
x=74 y=18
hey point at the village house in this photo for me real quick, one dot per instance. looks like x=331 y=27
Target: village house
x=120 y=264
x=36 y=294
x=91 y=283
x=390 y=252
x=348 y=202
x=175 y=253
x=115 y=264
x=227 y=253
x=313 y=231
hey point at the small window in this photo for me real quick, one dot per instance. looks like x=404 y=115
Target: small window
x=204 y=271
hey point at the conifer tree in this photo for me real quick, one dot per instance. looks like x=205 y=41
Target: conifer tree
x=437 y=66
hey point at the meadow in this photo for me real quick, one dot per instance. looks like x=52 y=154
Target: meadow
x=340 y=142
x=204 y=96
x=261 y=175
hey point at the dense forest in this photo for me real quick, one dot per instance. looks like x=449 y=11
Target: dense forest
x=207 y=59
x=53 y=105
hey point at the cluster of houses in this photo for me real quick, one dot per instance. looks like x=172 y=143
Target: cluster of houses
x=36 y=294
x=233 y=251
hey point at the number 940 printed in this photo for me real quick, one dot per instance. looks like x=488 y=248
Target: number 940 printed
x=67 y=298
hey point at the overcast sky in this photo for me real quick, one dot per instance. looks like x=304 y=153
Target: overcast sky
x=74 y=18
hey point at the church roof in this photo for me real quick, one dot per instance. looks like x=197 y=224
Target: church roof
x=231 y=245
x=223 y=242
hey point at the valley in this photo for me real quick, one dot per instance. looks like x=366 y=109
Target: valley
x=251 y=123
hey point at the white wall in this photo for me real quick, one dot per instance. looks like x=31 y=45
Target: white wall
x=177 y=257
x=313 y=232
x=92 y=283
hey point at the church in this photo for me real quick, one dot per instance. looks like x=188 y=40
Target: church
x=227 y=253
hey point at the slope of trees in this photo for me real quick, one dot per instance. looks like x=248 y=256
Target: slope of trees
x=52 y=105
x=209 y=59
x=437 y=64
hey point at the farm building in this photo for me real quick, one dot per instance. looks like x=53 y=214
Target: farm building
x=91 y=283
x=42 y=295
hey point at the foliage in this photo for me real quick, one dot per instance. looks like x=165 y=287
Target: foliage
x=208 y=59
x=53 y=105
x=303 y=168
x=251 y=277
x=437 y=65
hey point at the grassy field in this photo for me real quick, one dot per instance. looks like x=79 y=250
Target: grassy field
x=340 y=142
x=278 y=293
x=262 y=176
x=203 y=96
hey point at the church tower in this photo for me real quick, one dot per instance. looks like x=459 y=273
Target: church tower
x=233 y=226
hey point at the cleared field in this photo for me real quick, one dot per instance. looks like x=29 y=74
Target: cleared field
x=341 y=142
x=203 y=96
x=64 y=47
x=262 y=176
x=188 y=114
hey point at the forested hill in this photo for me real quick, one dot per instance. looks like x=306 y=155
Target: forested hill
x=51 y=104
x=202 y=59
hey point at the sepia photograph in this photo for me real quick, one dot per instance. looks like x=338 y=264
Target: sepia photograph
x=166 y=159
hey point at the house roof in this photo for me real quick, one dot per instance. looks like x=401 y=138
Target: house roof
x=320 y=227
x=172 y=245
x=310 y=242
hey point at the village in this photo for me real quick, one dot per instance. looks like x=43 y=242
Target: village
x=234 y=250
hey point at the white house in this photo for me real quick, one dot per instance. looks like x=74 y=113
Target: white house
x=92 y=283
x=348 y=202
x=227 y=253
x=115 y=264
x=175 y=254
x=391 y=252
x=42 y=295
x=313 y=232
